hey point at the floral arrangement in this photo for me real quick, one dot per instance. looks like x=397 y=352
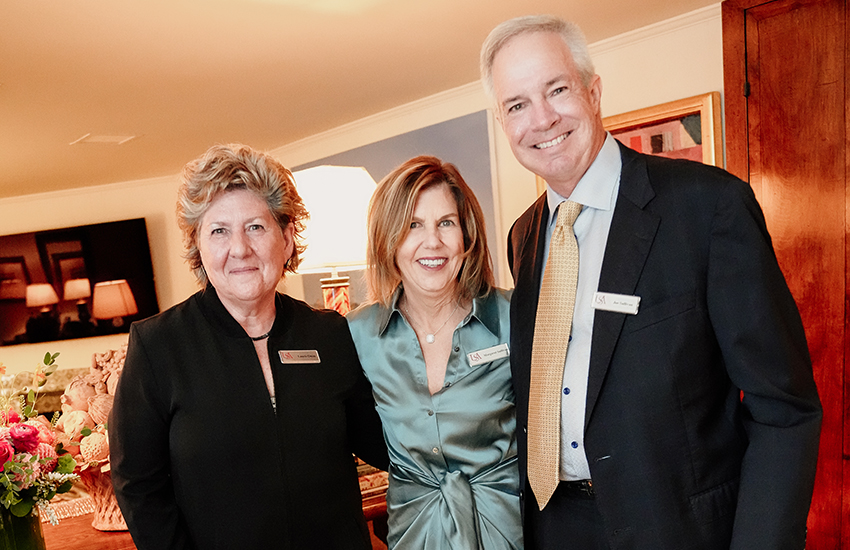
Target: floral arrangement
x=35 y=464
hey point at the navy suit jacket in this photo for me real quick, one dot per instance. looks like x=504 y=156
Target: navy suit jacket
x=678 y=459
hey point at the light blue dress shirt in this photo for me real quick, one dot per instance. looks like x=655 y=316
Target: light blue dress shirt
x=597 y=191
x=454 y=481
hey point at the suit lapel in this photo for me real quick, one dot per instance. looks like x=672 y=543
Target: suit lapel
x=531 y=261
x=629 y=241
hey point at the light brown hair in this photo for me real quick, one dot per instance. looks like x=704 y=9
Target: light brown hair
x=226 y=168
x=390 y=214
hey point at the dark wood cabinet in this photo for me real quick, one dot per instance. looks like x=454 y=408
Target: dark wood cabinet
x=786 y=105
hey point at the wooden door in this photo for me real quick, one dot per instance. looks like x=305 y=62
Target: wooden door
x=786 y=94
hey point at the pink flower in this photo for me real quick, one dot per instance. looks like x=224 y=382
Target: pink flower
x=10 y=417
x=6 y=452
x=45 y=451
x=45 y=431
x=24 y=437
x=30 y=472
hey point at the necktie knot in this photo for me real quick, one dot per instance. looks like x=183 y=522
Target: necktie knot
x=568 y=211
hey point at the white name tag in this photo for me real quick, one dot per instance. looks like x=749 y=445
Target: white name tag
x=486 y=355
x=299 y=356
x=619 y=303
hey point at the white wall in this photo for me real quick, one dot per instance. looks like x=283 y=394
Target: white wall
x=677 y=58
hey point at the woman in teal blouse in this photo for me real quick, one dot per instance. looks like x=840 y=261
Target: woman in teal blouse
x=433 y=343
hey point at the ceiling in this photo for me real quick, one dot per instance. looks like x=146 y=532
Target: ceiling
x=181 y=75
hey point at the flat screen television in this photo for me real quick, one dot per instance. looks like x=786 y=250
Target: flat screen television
x=70 y=282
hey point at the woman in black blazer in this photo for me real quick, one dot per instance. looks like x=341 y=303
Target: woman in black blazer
x=239 y=409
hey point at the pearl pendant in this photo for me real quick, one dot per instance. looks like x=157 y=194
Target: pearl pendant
x=429 y=338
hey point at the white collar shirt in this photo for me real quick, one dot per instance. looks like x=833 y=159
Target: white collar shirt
x=597 y=191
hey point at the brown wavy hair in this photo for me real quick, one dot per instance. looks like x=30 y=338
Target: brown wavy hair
x=390 y=214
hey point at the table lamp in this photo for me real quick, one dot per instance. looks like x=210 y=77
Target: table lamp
x=113 y=300
x=44 y=326
x=337 y=198
x=79 y=290
x=41 y=295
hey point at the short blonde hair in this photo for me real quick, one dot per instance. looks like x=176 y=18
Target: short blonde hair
x=569 y=32
x=226 y=168
x=390 y=214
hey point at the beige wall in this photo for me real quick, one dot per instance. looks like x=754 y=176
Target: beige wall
x=674 y=59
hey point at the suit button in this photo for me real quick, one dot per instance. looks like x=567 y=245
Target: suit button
x=525 y=429
x=521 y=494
x=430 y=412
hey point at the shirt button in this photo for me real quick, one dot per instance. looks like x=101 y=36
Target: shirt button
x=574 y=445
x=435 y=450
x=448 y=384
x=566 y=391
x=430 y=412
x=457 y=349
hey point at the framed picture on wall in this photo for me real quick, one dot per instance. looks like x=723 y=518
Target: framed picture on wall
x=686 y=128
x=14 y=278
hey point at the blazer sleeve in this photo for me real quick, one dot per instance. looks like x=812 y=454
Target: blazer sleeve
x=760 y=333
x=365 y=431
x=139 y=455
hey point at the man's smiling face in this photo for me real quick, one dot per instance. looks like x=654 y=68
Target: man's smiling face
x=552 y=119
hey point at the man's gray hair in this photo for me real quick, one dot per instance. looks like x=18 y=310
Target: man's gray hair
x=569 y=32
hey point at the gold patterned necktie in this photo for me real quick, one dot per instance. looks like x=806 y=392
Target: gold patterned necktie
x=549 y=351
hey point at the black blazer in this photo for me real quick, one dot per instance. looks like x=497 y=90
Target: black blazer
x=678 y=460
x=199 y=458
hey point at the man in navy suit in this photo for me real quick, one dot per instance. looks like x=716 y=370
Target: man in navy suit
x=689 y=415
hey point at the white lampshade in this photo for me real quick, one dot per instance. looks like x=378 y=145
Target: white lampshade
x=40 y=295
x=113 y=299
x=76 y=289
x=337 y=198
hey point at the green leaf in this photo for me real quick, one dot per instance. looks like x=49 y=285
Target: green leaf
x=66 y=464
x=53 y=357
x=47 y=360
x=22 y=508
x=85 y=432
x=65 y=487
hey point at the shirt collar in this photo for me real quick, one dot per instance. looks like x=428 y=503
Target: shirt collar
x=597 y=186
x=484 y=308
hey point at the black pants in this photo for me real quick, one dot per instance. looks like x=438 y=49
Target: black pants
x=570 y=520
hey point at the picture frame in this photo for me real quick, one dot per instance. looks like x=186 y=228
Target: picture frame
x=14 y=278
x=686 y=128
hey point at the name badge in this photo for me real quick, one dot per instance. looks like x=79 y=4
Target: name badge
x=486 y=355
x=618 y=303
x=299 y=356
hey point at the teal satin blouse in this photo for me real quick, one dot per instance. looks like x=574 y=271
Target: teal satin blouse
x=453 y=479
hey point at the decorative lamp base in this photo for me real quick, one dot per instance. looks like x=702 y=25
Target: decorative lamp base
x=335 y=291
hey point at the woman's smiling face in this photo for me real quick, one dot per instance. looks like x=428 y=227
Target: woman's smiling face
x=243 y=249
x=431 y=255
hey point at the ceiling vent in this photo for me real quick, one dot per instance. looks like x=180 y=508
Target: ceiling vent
x=91 y=138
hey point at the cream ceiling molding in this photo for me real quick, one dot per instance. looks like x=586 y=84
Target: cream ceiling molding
x=325 y=6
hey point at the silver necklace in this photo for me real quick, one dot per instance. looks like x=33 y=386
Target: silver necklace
x=430 y=338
